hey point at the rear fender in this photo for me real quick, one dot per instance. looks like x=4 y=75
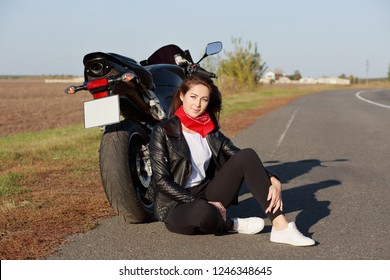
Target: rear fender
x=103 y=65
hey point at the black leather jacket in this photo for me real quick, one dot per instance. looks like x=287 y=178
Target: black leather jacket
x=171 y=164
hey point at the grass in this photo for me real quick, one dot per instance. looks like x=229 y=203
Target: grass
x=49 y=188
x=50 y=183
x=10 y=183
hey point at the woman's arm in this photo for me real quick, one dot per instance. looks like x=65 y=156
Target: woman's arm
x=228 y=147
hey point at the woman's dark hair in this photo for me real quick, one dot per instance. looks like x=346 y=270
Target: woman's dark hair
x=215 y=103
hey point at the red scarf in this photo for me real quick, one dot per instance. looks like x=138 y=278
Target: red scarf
x=202 y=124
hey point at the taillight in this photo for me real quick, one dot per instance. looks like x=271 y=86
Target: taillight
x=98 y=88
x=96 y=84
x=101 y=94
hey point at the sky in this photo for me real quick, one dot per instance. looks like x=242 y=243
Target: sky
x=317 y=38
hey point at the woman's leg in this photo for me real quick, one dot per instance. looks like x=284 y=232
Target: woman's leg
x=201 y=217
x=195 y=217
x=245 y=165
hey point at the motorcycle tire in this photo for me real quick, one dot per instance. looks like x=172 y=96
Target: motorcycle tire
x=122 y=170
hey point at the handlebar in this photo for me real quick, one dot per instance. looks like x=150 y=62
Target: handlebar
x=195 y=69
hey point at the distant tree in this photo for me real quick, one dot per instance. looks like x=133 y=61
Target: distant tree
x=263 y=69
x=343 y=76
x=242 y=66
x=296 y=76
x=353 y=80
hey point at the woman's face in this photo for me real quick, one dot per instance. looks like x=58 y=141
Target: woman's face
x=195 y=100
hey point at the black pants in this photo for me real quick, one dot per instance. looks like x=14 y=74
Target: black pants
x=199 y=216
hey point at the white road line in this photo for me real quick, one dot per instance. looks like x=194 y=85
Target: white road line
x=285 y=131
x=369 y=101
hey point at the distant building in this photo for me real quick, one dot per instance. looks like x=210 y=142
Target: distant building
x=284 y=80
x=66 y=80
x=270 y=77
x=307 y=80
x=333 y=81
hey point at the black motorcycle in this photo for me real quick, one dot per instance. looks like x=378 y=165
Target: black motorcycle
x=129 y=98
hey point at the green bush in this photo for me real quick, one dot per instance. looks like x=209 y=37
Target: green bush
x=242 y=67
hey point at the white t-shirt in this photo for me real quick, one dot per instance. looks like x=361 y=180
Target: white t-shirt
x=200 y=158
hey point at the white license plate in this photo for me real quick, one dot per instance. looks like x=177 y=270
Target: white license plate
x=101 y=112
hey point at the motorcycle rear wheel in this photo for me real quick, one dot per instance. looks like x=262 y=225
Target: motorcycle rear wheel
x=123 y=169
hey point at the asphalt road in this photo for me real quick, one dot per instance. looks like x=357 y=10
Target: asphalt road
x=331 y=151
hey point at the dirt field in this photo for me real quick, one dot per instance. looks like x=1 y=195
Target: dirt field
x=28 y=105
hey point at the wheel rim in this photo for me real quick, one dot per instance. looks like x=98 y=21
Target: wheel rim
x=140 y=169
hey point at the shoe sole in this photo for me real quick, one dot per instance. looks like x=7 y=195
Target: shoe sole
x=290 y=243
x=254 y=232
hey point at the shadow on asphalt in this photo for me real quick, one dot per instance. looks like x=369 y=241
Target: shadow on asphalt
x=299 y=198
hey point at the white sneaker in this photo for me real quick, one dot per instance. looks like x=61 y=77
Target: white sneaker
x=251 y=225
x=291 y=235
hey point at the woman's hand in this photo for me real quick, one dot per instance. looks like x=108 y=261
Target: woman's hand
x=275 y=196
x=220 y=208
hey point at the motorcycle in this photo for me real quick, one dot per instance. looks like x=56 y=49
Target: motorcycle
x=129 y=99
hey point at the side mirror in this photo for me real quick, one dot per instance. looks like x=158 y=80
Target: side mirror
x=213 y=48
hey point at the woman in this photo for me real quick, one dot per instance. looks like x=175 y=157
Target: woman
x=197 y=171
